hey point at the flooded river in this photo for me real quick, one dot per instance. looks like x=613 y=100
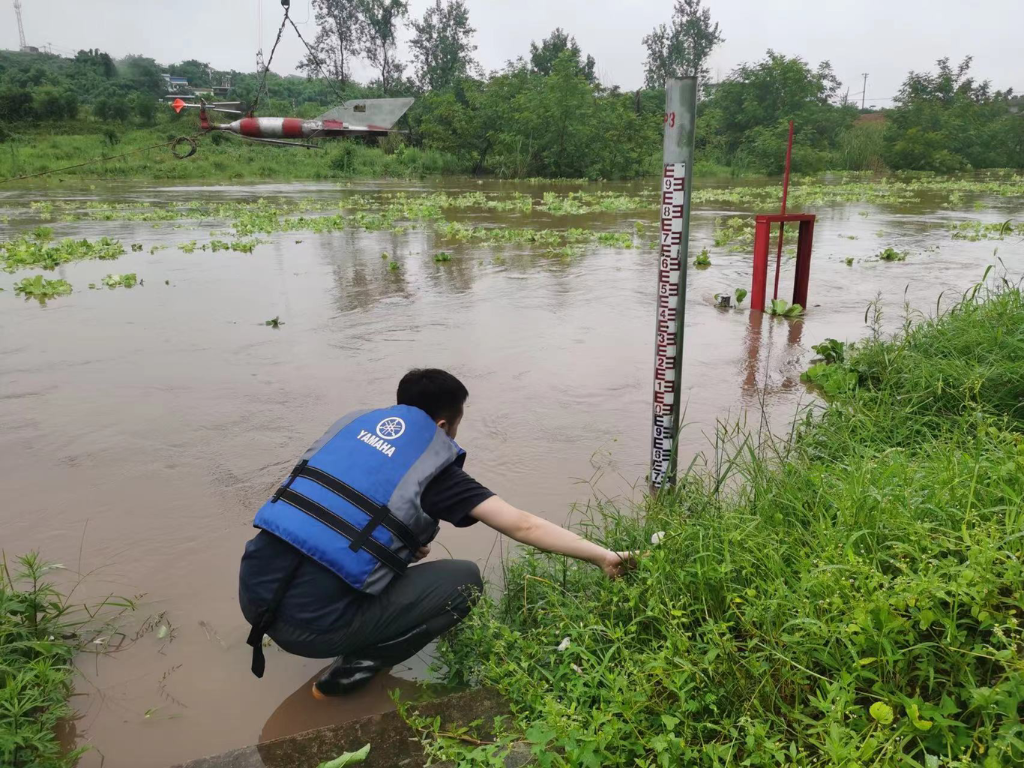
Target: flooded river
x=141 y=429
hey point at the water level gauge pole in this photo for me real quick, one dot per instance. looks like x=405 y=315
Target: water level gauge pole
x=676 y=185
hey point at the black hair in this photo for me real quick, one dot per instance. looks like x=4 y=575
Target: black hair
x=437 y=392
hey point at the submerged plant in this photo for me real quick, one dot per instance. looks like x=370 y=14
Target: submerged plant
x=40 y=288
x=702 y=260
x=442 y=257
x=725 y=300
x=274 y=322
x=129 y=280
x=831 y=351
x=976 y=230
x=891 y=254
x=25 y=252
x=782 y=308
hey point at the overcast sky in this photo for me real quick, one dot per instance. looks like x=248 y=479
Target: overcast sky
x=885 y=38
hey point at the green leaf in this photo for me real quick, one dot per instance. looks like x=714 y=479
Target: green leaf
x=881 y=712
x=349 y=758
x=915 y=718
x=669 y=721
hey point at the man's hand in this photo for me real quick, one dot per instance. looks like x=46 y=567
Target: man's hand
x=616 y=564
x=421 y=553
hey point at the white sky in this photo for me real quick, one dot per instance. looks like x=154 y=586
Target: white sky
x=885 y=38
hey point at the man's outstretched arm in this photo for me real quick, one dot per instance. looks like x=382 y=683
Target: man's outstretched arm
x=529 y=529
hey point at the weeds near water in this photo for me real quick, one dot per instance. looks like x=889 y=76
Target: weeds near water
x=808 y=193
x=725 y=300
x=736 y=232
x=891 y=254
x=855 y=600
x=129 y=280
x=40 y=288
x=40 y=633
x=976 y=230
x=36 y=251
x=702 y=260
x=782 y=308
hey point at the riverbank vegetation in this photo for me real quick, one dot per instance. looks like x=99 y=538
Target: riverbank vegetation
x=545 y=114
x=849 y=595
x=41 y=631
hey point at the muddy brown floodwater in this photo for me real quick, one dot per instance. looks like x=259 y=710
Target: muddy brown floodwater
x=141 y=429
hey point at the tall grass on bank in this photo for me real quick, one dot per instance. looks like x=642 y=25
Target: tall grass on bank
x=856 y=600
x=40 y=633
x=859 y=148
x=220 y=158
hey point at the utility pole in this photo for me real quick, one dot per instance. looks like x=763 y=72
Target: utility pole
x=21 y=26
x=864 y=95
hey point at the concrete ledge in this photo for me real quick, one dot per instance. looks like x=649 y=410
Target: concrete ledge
x=392 y=742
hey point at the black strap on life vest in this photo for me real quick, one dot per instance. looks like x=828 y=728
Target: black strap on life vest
x=378 y=513
x=265 y=617
x=344 y=527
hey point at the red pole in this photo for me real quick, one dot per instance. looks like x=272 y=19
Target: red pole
x=782 y=225
x=759 y=282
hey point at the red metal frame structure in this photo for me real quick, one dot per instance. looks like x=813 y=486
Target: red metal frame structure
x=762 y=238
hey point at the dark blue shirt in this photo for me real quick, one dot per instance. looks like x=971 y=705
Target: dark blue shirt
x=318 y=599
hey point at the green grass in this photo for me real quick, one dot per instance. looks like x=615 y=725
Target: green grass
x=40 y=633
x=220 y=159
x=805 y=590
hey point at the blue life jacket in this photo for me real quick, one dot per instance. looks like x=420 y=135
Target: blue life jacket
x=353 y=502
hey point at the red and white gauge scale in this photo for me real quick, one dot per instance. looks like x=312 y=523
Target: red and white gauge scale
x=680 y=113
x=670 y=271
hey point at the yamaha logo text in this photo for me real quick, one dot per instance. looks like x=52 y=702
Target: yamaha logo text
x=391 y=428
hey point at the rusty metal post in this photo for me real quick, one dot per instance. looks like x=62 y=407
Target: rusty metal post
x=803 y=263
x=759 y=282
x=785 y=194
x=676 y=186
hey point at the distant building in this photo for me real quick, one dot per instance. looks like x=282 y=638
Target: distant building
x=176 y=84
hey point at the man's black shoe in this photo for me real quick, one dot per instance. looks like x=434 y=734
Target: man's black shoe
x=344 y=676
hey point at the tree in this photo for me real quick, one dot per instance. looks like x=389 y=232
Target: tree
x=380 y=20
x=96 y=61
x=682 y=49
x=52 y=103
x=112 y=106
x=15 y=103
x=752 y=108
x=198 y=73
x=337 y=41
x=441 y=48
x=144 y=107
x=544 y=56
x=143 y=74
x=947 y=121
